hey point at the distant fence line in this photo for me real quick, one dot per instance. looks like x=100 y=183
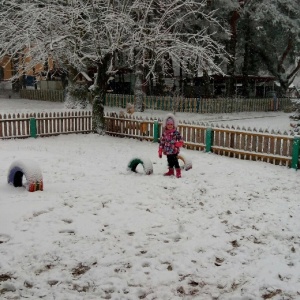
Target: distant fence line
x=179 y=104
x=201 y=105
x=43 y=95
x=275 y=148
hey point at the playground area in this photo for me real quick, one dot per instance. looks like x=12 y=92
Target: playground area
x=228 y=229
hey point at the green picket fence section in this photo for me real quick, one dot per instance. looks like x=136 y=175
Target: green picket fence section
x=279 y=149
x=179 y=104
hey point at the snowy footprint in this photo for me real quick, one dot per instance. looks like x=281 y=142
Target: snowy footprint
x=68 y=231
x=4 y=238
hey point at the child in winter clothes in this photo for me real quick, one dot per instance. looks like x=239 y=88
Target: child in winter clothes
x=170 y=143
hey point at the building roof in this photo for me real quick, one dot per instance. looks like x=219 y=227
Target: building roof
x=85 y=75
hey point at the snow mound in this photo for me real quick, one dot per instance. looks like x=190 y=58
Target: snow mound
x=187 y=161
x=30 y=169
x=146 y=162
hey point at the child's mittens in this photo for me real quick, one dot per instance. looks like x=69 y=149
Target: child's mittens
x=160 y=152
x=179 y=144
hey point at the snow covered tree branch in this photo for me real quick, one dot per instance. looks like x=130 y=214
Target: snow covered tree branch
x=145 y=33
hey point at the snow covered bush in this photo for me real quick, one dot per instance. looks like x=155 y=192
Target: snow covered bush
x=77 y=96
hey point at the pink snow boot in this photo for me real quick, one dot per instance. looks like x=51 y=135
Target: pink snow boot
x=170 y=172
x=178 y=173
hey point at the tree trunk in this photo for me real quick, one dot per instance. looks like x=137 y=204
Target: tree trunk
x=99 y=94
x=139 y=94
x=98 y=124
x=230 y=90
x=70 y=100
x=206 y=84
x=245 y=69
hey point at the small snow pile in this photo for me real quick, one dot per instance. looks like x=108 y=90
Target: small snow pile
x=130 y=108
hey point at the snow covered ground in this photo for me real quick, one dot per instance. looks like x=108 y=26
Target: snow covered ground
x=227 y=230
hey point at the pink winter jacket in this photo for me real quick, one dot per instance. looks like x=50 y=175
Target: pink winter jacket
x=170 y=142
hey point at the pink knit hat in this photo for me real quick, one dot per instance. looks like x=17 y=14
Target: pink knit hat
x=169 y=118
x=170 y=121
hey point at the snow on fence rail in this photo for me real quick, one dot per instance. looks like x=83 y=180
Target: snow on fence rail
x=14 y=126
x=64 y=122
x=130 y=126
x=44 y=124
x=275 y=148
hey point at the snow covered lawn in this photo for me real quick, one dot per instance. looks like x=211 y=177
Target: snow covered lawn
x=228 y=229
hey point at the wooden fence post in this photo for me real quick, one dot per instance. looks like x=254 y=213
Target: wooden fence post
x=155 y=132
x=198 y=104
x=295 y=152
x=33 y=127
x=209 y=139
